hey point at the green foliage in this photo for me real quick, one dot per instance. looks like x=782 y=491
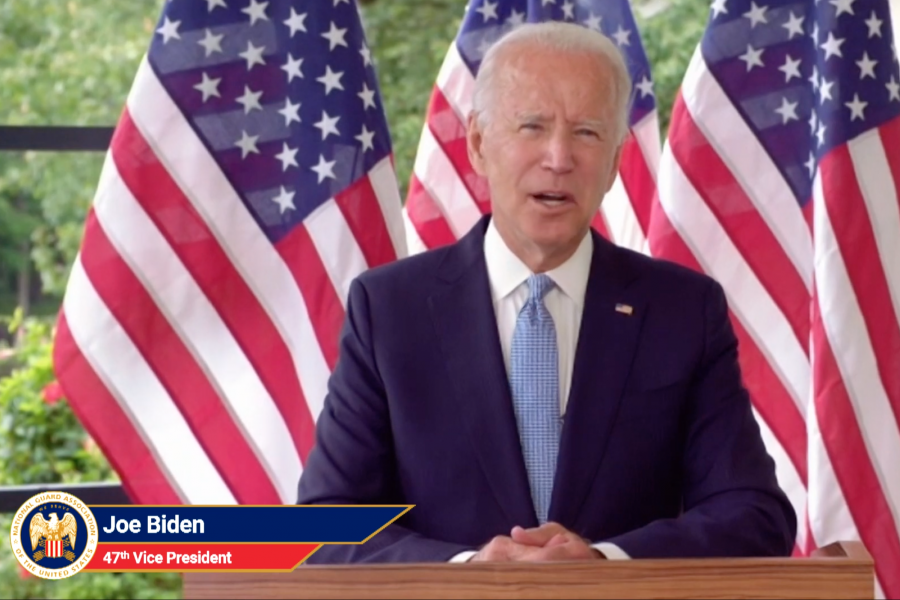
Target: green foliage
x=61 y=63
x=669 y=37
x=41 y=441
x=409 y=39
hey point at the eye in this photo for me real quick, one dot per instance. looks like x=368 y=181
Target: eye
x=530 y=127
x=584 y=132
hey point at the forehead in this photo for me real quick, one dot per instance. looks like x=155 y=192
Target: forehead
x=535 y=79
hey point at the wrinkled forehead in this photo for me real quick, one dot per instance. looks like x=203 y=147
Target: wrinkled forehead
x=530 y=74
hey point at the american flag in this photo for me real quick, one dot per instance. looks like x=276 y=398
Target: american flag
x=446 y=197
x=779 y=179
x=249 y=180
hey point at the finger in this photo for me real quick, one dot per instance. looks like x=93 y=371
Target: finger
x=558 y=540
x=527 y=537
x=545 y=532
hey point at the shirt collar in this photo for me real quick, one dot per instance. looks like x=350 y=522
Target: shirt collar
x=506 y=271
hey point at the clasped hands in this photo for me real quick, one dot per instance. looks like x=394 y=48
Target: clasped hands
x=549 y=542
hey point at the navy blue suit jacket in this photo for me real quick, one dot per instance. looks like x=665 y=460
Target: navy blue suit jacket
x=660 y=453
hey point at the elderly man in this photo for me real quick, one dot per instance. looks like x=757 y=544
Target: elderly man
x=535 y=391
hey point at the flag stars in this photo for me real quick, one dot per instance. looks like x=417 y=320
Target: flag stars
x=325 y=169
x=366 y=55
x=256 y=11
x=813 y=121
x=718 y=8
x=365 y=138
x=331 y=80
x=756 y=14
x=296 y=22
x=292 y=67
x=213 y=4
x=335 y=37
x=843 y=6
x=832 y=46
x=856 y=107
x=866 y=66
x=790 y=68
x=208 y=87
x=290 y=112
x=253 y=55
x=285 y=200
x=568 y=9
x=515 y=18
x=811 y=165
x=788 y=111
x=621 y=35
x=825 y=90
x=794 y=26
x=328 y=125
x=367 y=96
x=814 y=78
x=820 y=133
x=752 y=57
x=287 y=156
x=874 y=24
x=488 y=11
x=645 y=87
x=247 y=144
x=250 y=100
x=593 y=22
x=169 y=30
x=211 y=43
x=893 y=89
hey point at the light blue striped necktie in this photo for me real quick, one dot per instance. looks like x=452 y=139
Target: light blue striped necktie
x=534 y=380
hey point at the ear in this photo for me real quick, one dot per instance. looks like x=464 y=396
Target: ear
x=474 y=141
x=615 y=166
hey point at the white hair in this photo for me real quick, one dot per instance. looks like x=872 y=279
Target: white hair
x=554 y=35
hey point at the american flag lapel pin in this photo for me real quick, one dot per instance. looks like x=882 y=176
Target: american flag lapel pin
x=625 y=309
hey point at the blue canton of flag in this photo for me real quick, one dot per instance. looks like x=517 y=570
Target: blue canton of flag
x=283 y=94
x=807 y=76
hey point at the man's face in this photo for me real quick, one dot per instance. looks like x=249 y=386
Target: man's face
x=550 y=150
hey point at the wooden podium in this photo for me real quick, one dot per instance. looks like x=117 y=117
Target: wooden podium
x=843 y=570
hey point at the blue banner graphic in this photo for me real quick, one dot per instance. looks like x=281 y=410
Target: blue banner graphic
x=298 y=524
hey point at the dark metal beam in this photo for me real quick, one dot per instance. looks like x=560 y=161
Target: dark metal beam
x=54 y=138
x=14 y=496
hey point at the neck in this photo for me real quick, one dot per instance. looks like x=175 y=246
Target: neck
x=538 y=258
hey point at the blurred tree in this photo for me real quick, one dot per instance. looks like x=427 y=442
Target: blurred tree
x=61 y=63
x=670 y=30
x=409 y=39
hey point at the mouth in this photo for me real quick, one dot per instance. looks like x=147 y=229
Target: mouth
x=553 y=199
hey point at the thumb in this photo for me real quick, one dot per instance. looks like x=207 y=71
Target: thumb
x=522 y=536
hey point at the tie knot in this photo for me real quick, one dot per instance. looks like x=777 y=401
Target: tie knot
x=538 y=286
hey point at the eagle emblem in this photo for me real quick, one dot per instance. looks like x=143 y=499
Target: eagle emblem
x=55 y=536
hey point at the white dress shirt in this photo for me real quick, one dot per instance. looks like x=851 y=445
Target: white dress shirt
x=508 y=277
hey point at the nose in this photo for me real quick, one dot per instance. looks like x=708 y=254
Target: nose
x=558 y=156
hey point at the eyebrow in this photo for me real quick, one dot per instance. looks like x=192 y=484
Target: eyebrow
x=542 y=118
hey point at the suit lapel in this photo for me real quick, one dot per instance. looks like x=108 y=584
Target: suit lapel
x=466 y=326
x=606 y=344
